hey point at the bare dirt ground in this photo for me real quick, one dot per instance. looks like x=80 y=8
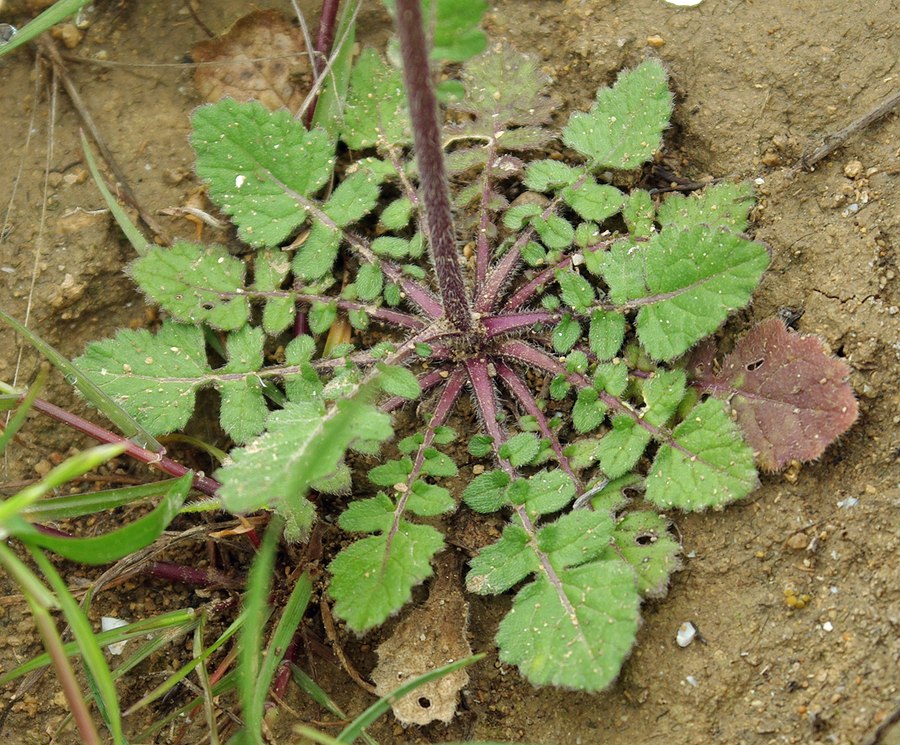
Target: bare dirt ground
x=758 y=83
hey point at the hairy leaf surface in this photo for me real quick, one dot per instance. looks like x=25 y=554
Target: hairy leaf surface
x=624 y=127
x=256 y=163
x=685 y=283
x=707 y=465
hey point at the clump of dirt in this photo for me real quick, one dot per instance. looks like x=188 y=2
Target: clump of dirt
x=794 y=592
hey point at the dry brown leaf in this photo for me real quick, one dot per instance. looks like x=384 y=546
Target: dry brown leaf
x=430 y=636
x=260 y=57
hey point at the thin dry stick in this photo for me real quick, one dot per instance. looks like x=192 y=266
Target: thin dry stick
x=51 y=51
x=331 y=633
x=834 y=141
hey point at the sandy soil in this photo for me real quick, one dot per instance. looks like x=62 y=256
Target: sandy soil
x=758 y=83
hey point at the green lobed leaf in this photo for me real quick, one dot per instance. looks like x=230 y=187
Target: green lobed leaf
x=593 y=201
x=427 y=500
x=270 y=268
x=725 y=206
x=576 y=538
x=588 y=412
x=566 y=334
x=581 y=644
x=321 y=317
x=576 y=290
x=369 y=281
x=498 y=566
x=611 y=377
x=644 y=541
x=368 y=515
x=372 y=579
x=487 y=492
x=639 y=214
x=663 y=392
x=153 y=377
x=515 y=217
x=392 y=472
x=376 y=104
x=606 y=334
x=708 y=465
x=397 y=214
x=547 y=175
x=519 y=449
x=620 y=450
x=195 y=283
x=548 y=491
x=255 y=161
x=480 y=445
x=398 y=381
x=316 y=255
x=554 y=231
x=687 y=283
x=354 y=198
x=391 y=247
x=303 y=443
x=624 y=127
x=438 y=464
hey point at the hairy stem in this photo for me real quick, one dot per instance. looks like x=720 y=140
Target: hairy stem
x=441 y=412
x=430 y=159
x=523 y=396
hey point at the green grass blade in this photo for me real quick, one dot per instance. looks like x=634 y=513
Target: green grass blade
x=256 y=609
x=316 y=736
x=153 y=645
x=90 y=390
x=66 y=471
x=56 y=13
x=355 y=728
x=140 y=244
x=91 y=653
x=284 y=630
x=203 y=676
x=105 y=638
x=173 y=680
x=18 y=419
x=226 y=684
x=116 y=544
x=39 y=603
x=78 y=505
x=317 y=694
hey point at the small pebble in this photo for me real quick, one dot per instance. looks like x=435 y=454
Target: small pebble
x=828 y=626
x=798 y=541
x=853 y=169
x=686 y=634
x=656 y=41
x=69 y=34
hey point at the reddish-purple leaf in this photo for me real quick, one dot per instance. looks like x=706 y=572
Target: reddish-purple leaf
x=790 y=397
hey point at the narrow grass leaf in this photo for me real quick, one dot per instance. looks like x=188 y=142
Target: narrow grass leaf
x=114 y=545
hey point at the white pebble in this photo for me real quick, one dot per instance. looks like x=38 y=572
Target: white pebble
x=828 y=626
x=686 y=634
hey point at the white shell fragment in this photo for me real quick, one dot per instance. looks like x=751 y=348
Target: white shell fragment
x=684 y=3
x=686 y=634
x=108 y=623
